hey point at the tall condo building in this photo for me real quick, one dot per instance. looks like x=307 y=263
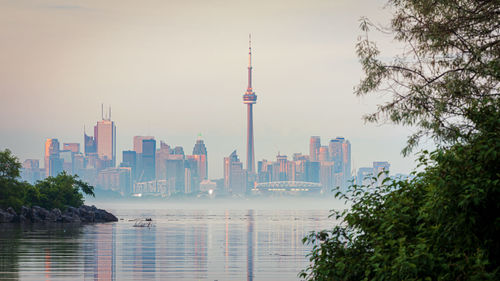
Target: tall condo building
x=314 y=145
x=249 y=98
x=53 y=164
x=105 y=137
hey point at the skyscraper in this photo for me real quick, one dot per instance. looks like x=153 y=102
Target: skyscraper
x=89 y=143
x=200 y=153
x=235 y=178
x=249 y=98
x=53 y=164
x=314 y=145
x=106 y=140
x=148 y=160
x=138 y=142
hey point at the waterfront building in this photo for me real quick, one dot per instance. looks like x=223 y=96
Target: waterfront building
x=235 y=177
x=116 y=179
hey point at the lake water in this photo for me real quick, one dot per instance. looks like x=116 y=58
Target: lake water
x=184 y=244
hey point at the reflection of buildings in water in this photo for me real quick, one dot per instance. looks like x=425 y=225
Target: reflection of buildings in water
x=100 y=257
x=47 y=264
x=234 y=243
x=199 y=234
x=250 y=245
x=140 y=246
x=182 y=248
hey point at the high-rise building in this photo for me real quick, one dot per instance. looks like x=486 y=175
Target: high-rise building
x=340 y=153
x=129 y=159
x=149 y=160
x=67 y=161
x=314 y=145
x=323 y=154
x=53 y=164
x=162 y=155
x=138 y=142
x=249 y=98
x=73 y=147
x=105 y=136
x=200 y=153
x=89 y=143
x=235 y=177
x=176 y=172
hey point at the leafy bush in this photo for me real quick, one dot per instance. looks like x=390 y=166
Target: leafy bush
x=441 y=225
x=52 y=192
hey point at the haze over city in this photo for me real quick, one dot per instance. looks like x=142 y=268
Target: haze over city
x=177 y=69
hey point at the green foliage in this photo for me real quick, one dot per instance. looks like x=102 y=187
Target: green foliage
x=52 y=192
x=447 y=72
x=11 y=190
x=61 y=191
x=441 y=225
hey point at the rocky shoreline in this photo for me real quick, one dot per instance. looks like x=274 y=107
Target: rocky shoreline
x=36 y=214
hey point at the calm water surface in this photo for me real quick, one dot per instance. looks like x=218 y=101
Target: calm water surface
x=182 y=245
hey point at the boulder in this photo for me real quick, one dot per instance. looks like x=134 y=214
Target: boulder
x=11 y=211
x=54 y=216
x=26 y=215
x=103 y=216
x=39 y=214
x=87 y=214
x=5 y=216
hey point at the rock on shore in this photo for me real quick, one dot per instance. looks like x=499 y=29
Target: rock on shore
x=36 y=214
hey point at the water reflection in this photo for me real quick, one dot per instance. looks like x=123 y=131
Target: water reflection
x=250 y=242
x=184 y=244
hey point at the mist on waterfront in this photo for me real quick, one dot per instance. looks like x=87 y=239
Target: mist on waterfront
x=269 y=203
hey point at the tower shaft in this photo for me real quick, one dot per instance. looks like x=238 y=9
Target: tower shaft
x=250 y=146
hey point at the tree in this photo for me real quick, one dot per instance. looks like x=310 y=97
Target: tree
x=443 y=223
x=440 y=225
x=11 y=190
x=448 y=72
x=53 y=192
x=61 y=191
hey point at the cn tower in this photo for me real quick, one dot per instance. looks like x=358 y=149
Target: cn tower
x=249 y=98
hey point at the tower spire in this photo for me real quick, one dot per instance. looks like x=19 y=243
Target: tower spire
x=249 y=89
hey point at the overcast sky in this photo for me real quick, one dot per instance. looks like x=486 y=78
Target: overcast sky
x=174 y=69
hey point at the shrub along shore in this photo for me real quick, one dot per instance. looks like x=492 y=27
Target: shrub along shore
x=54 y=199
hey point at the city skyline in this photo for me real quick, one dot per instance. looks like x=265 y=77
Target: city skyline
x=304 y=78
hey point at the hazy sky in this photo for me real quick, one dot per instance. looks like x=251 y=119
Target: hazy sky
x=174 y=69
